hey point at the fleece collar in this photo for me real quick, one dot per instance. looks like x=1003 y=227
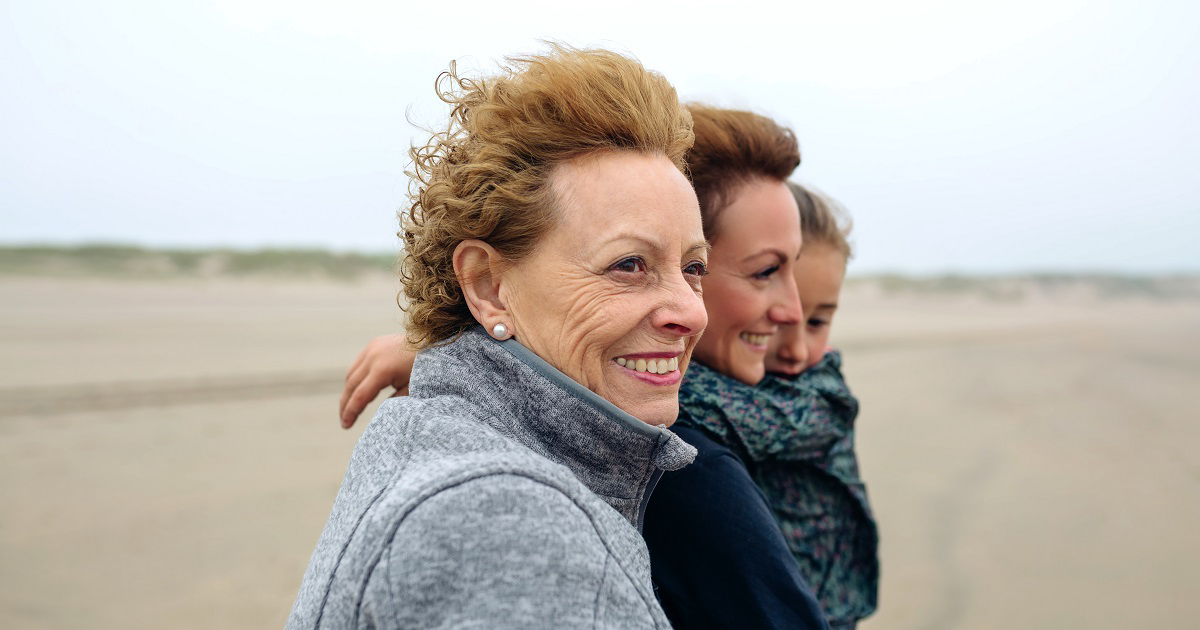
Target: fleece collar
x=614 y=454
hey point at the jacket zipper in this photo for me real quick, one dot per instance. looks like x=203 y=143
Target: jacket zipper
x=641 y=515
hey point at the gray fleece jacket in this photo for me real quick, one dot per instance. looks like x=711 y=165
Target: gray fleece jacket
x=500 y=493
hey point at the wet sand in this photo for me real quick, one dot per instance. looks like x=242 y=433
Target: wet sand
x=169 y=451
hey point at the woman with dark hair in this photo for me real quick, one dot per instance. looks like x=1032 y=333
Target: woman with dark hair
x=718 y=556
x=780 y=443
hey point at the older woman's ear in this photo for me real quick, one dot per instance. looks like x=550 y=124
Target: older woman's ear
x=477 y=266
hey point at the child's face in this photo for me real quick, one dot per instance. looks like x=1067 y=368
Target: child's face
x=819 y=274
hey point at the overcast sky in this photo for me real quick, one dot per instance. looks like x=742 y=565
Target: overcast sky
x=962 y=136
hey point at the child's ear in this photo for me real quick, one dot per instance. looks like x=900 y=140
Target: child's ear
x=478 y=267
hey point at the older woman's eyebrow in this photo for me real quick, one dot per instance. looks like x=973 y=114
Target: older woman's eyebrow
x=656 y=245
x=698 y=246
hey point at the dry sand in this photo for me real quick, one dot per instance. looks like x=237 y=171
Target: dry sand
x=169 y=452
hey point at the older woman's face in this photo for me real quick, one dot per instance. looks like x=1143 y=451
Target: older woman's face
x=750 y=292
x=611 y=295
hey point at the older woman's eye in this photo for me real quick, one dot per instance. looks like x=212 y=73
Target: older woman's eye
x=633 y=264
x=696 y=268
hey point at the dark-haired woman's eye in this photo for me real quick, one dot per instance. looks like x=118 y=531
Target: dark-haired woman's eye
x=633 y=264
x=766 y=273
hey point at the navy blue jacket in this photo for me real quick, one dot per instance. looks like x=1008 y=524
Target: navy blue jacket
x=717 y=555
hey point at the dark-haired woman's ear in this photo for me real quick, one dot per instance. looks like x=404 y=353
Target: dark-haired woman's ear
x=478 y=267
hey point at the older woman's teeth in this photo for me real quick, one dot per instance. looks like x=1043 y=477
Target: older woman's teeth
x=653 y=366
x=758 y=340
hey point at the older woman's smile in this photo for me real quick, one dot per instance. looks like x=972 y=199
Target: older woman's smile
x=656 y=368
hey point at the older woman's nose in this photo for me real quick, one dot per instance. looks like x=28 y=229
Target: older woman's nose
x=682 y=312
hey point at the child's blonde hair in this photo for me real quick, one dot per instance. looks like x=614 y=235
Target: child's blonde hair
x=823 y=219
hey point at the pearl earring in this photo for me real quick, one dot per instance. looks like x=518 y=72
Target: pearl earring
x=500 y=331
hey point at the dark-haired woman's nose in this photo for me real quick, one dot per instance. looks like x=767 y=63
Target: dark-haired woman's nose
x=792 y=352
x=785 y=309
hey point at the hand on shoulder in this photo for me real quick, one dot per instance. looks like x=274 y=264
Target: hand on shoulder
x=386 y=361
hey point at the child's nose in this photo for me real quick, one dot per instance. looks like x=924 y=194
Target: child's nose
x=792 y=347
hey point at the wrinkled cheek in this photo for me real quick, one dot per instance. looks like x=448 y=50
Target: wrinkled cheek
x=577 y=361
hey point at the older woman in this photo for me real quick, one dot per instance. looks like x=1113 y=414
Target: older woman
x=552 y=266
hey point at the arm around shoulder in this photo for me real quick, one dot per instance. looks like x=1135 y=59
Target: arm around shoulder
x=387 y=360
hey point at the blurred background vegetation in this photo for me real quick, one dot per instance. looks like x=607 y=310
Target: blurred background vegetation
x=128 y=261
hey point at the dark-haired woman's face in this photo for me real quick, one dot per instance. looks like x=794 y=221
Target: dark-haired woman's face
x=750 y=291
x=611 y=296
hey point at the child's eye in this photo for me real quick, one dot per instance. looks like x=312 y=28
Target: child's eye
x=696 y=268
x=817 y=323
x=633 y=264
x=766 y=273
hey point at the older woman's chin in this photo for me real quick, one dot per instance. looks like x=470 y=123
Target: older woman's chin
x=666 y=421
x=659 y=413
x=651 y=398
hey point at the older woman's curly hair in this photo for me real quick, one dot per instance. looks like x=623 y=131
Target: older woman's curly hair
x=732 y=147
x=487 y=176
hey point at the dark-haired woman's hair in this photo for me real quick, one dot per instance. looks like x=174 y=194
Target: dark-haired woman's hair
x=732 y=148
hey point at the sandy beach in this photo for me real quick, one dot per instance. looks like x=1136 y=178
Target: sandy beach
x=169 y=451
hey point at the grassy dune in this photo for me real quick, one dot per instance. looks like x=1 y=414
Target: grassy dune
x=1020 y=287
x=122 y=261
